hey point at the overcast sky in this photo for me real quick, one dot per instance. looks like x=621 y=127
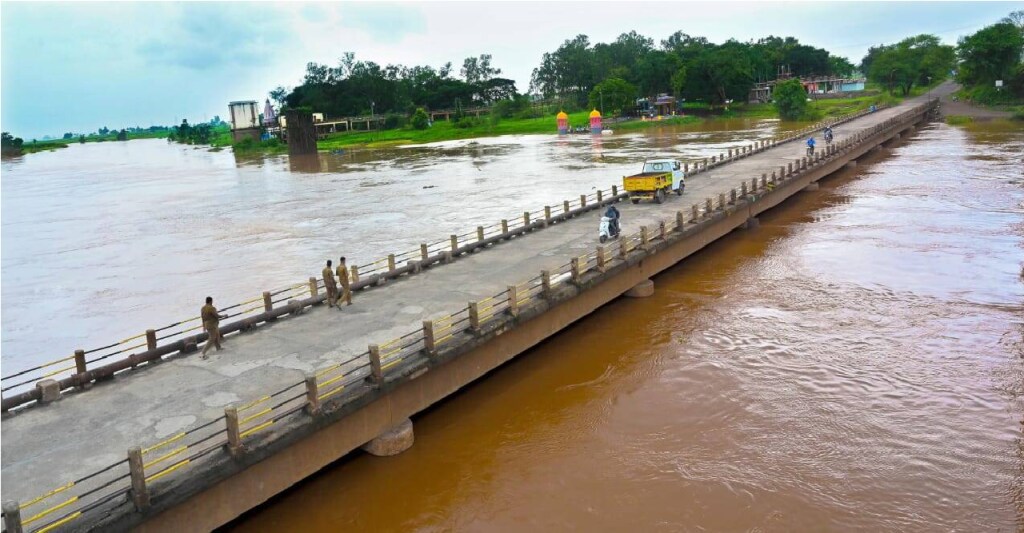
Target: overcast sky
x=78 y=66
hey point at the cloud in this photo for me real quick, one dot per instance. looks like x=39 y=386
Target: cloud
x=207 y=36
x=384 y=22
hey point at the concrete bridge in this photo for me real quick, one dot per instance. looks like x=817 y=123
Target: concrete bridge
x=164 y=441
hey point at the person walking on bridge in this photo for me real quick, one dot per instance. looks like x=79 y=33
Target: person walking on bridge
x=211 y=323
x=346 y=289
x=330 y=285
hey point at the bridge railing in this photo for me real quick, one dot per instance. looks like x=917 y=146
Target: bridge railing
x=347 y=379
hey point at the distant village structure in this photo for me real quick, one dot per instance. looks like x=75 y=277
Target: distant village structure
x=818 y=86
x=245 y=120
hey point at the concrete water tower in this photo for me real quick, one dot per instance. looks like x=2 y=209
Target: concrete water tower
x=245 y=120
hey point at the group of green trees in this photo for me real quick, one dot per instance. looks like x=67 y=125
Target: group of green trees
x=991 y=54
x=361 y=87
x=685 y=66
x=913 y=61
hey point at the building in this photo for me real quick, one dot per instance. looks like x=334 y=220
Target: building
x=818 y=85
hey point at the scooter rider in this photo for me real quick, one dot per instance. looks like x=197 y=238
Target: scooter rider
x=613 y=214
x=828 y=134
x=810 y=146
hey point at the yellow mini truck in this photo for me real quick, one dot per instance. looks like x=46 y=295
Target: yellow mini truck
x=659 y=177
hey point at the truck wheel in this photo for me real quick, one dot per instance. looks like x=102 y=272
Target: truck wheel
x=634 y=200
x=604 y=238
x=679 y=191
x=659 y=196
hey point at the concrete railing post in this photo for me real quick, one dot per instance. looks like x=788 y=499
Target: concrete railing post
x=455 y=242
x=545 y=283
x=645 y=237
x=789 y=169
x=730 y=153
x=615 y=190
x=474 y=316
x=547 y=214
x=376 y=370
x=355 y=274
x=391 y=262
x=233 y=431
x=526 y=219
x=513 y=301
x=575 y=273
x=268 y=302
x=708 y=207
x=12 y=517
x=140 y=493
x=661 y=228
x=601 y=267
x=429 y=344
x=583 y=201
x=424 y=253
x=600 y=196
x=504 y=226
x=743 y=190
x=479 y=233
x=694 y=213
x=312 y=287
x=80 y=358
x=565 y=206
x=150 y=339
x=680 y=220
x=686 y=168
x=721 y=201
x=623 y=247
x=312 y=395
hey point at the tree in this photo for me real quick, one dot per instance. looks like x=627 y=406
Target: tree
x=103 y=130
x=81 y=139
x=420 y=120
x=912 y=61
x=790 y=99
x=122 y=135
x=617 y=94
x=69 y=135
x=992 y=53
x=278 y=95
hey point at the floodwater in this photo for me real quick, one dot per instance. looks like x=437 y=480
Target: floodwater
x=102 y=241
x=853 y=364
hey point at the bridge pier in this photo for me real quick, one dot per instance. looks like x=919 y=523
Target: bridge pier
x=393 y=441
x=752 y=223
x=641 y=290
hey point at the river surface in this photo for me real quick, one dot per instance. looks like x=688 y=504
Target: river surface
x=855 y=363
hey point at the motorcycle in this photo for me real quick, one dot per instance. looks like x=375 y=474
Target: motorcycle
x=609 y=229
x=810 y=150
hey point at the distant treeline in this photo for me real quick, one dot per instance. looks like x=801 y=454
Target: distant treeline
x=688 y=67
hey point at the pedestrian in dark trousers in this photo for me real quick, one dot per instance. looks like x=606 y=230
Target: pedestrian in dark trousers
x=211 y=323
x=329 y=284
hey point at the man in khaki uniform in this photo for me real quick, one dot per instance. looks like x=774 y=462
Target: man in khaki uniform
x=329 y=284
x=211 y=323
x=346 y=290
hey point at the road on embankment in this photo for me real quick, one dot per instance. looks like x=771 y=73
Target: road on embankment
x=44 y=447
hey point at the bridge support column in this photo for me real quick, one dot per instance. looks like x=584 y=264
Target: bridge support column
x=641 y=290
x=393 y=441
x=752 y=223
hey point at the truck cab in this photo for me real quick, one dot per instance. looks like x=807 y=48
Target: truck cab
x=668 y=165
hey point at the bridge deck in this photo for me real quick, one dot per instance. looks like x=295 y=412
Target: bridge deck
x=46 y=446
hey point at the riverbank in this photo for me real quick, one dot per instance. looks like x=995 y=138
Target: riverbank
x=962 y=110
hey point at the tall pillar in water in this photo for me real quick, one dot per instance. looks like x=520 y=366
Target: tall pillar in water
x=563 y=123
x=301 y=132
x=595 y=122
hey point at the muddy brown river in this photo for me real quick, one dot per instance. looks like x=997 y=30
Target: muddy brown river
x=855 y=363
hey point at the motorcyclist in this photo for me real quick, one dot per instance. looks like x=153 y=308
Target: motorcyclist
x=613 y=214
x=810 y=145
x=828 y=133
